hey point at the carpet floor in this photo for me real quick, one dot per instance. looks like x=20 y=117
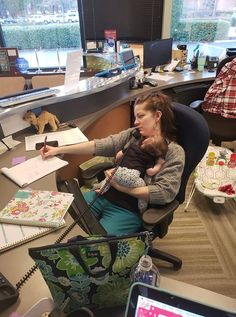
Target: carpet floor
x=204 y=238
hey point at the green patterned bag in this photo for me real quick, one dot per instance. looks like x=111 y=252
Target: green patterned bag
x=91 y=272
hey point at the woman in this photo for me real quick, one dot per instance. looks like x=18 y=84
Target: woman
x=117 y=209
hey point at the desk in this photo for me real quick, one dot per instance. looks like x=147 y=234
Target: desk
x=70 y=105
x=14 y=263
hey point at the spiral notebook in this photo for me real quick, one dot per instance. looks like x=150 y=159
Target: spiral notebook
x=36 y=208
x=12 y=236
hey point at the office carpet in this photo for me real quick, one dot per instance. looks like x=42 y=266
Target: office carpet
x=204 y=237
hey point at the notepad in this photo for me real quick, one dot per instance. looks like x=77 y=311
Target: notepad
x=36 y=208
x=33 y=169
x=15 y=235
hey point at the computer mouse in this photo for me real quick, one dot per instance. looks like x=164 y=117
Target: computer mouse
x=150 y=82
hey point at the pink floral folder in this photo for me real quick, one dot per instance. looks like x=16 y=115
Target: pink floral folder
x=37 y=207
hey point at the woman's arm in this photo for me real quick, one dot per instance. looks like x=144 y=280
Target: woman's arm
x=80 y=148
x=108 y=146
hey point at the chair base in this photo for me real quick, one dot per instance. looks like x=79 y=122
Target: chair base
x=158 y=254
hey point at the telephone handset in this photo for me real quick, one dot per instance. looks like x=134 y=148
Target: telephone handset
x=8 y=293
x=171 y=67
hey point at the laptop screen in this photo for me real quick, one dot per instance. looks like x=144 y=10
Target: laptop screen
x=148 y=301
x=147 y=307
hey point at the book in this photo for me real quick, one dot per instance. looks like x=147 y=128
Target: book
x=12 y=236
x=32 y=169
x=36 y=208
x=67 y=137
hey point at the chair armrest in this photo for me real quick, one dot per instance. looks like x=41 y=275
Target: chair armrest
x=196 y=105
x=95 y=170
x=158 y=218
x=156 y=215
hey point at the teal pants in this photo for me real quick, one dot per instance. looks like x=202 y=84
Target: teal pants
x=114 y=219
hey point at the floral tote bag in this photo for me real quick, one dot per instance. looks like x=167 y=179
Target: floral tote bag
x=92 y=272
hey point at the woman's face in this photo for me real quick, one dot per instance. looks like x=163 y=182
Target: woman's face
x=146 y=121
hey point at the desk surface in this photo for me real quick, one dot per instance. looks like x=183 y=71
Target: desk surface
x=16 y=262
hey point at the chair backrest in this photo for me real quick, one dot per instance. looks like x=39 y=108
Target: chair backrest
x=193 y=136
x=47 y=80
x=11 y=85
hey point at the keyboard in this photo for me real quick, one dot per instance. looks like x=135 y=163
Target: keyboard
x=27 y=96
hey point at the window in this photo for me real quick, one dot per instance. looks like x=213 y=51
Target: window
x=209 y=23
x=42 y=30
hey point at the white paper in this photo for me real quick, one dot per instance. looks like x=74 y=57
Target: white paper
x=3 y=148
x=14 y=123
x=73 y=65
x=67 y=137
x=10 y=142
x=162 y=77
x=33 y=169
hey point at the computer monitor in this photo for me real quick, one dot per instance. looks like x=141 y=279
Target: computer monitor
x=157 y=53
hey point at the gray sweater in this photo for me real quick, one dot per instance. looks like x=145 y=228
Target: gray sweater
x=164 y=186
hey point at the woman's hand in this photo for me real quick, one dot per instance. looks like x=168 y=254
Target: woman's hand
x=48 y=151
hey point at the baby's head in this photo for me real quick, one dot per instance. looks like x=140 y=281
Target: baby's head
x=155 y=145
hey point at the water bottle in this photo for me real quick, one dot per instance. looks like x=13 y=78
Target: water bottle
x=145 y=271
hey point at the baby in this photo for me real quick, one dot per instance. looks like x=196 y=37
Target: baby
x=134 y=162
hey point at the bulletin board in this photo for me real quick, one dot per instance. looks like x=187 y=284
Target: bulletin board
x=8 y=58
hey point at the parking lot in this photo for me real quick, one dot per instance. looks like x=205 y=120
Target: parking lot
x=68 y=17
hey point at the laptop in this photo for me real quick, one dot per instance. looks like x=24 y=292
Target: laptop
x=148 y=301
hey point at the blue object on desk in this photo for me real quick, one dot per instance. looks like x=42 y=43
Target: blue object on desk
x=109 y=73
x=22 y=65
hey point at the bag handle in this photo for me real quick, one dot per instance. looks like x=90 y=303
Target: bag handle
x=75 y=251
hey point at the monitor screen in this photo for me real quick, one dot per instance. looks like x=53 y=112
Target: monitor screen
x=157 y=53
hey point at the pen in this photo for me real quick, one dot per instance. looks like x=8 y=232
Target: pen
x=45 y=143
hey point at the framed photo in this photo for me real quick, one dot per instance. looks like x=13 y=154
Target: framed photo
x=8 y=58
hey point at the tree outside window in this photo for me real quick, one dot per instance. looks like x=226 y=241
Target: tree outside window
x=211 y=22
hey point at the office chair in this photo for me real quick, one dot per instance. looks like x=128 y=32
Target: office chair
x=11 y=85
x=221 y=128
x=193 y=136
x=47 y=80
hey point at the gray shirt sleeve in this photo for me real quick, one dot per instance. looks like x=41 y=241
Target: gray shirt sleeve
x=112 y=144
